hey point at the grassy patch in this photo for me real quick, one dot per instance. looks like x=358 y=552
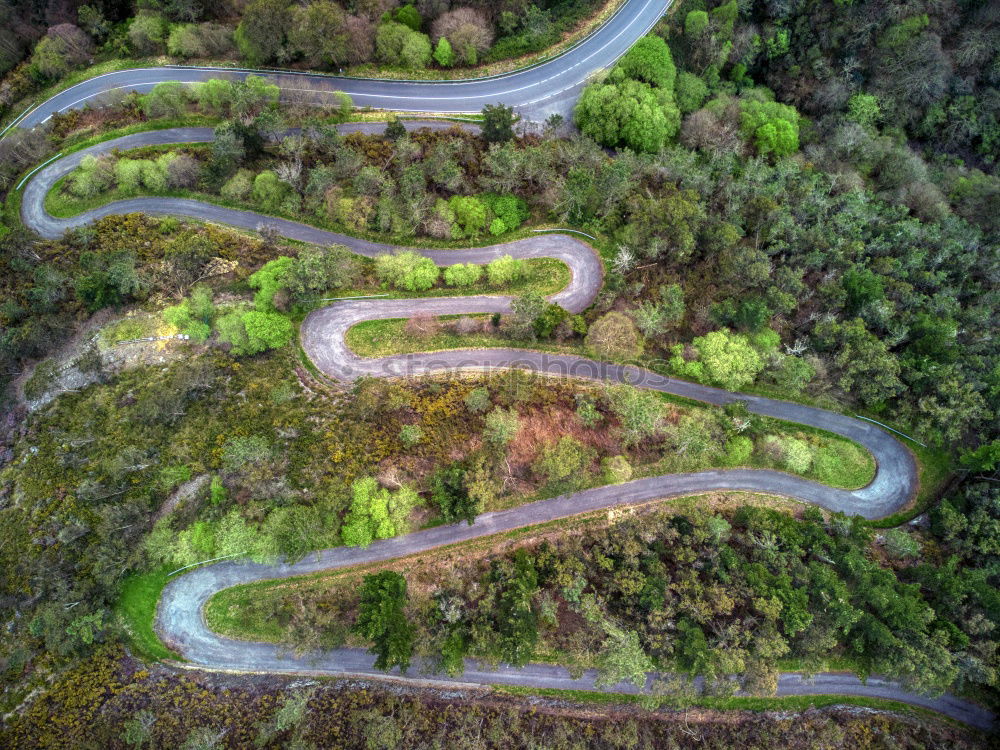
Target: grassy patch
x=380 y=338
x=137 y=610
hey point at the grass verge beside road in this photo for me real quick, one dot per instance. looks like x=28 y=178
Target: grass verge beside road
x=137 y=610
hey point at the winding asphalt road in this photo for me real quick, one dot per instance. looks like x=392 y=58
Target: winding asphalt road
x=180 y=618
x=534 y=92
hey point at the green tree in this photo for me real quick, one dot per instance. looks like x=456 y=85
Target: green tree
x=382 y=619
x=261 y=35
x=462 y=274
x=270 y=279
x=501 y=426
x=649 y=60
x=614 y=336
x=376 y=513
x=450 y=493
x=443 y=53
x=639 y=412
x=498 y=123
x=864 y=109
x=695 y=23
x=504 y=270
x=399 y=45
x=729 y=359
x=690 y=92
x=409 y=16
x=622 y=658
x=566 y=459
x=470 y=213
x=319 y=31
x=631 y=114
x=167 y=99
x=407 y=270
x=772 y=127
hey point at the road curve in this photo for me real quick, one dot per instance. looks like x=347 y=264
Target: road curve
x=180 y=614
x=535 y=91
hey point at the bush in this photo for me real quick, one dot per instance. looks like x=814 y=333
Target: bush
x=470 y=214
x=569 y=458
x=200 y=40
x=238 y=187
x=630 y=114
x=399 y=45
x=798 y=455
x=147 y=33
x=690 y=92
x=269 y=192
x=738 y=450
x=616 y=469
x=478 y=400
x=650 y=61
x=773 y=128
x=729 y=359
x=254 y=331
x=410 y=435
x=501 y=426
x=504 y=270
x=407 y=270
x=376 y=513
x=614 y=336
x=462 y=274
x=509 y=210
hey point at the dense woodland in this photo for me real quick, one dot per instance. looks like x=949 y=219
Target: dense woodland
x=781 y=215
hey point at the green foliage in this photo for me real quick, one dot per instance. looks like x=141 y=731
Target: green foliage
x=409 y=16
x=729 y=359
x=498 y=123
x=622 y=657
x=864 y=109
x=410 y=435
x=614 y=336
x=253 y=331
x=407 y=270
x=509 y=210
x=450 y=492
x=504 y=270
x=649 y=60
x=462 y=274
x=470 y=213
x=271 y=278
x=690 y=92
x=695 y=23
x=566 y=459
x=381 y=618
x=167 y=99
x=376 y=513
x=443 y=53
x=616 y=469
x=478 y=400
x=772 y=127
x=631 y=114
x=269 y=192
x=399 y=45
x=261 y=33
x=501 y=426
x=640 y=412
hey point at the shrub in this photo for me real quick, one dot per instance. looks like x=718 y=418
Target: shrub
x=772 y=127
x=738 y=450
x=568 y=458
x=510 y=210
x=376 y=513
x=269 y=192
x=649 y=60
x=798 y=455
x=501 y=426
x=690 y=92
x=399 y=45
x=147 y=33
x=504 y=270
x=478 y=400
x=443 y=53
x=269 y=280
x=462 y=274
x=470 y=214
x=167 y=99
x=614 y=336
x=729 y=359
x=616 y=469
x=238 y=187
x=254 y=331
x=407 y=270
x=200 y=40
x=629 y=114
x=410 y=435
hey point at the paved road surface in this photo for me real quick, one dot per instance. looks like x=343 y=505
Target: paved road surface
x=180 y=619
x=535 y=92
